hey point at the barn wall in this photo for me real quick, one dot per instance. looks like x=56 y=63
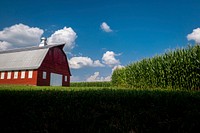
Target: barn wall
x=19 y=80
x=66 y=83
x=40 y=80
x=54 y=62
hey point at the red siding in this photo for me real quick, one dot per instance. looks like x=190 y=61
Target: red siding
x=19 y=80
x=54 y=62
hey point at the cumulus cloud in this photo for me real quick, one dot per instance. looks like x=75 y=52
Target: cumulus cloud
x=105 y=27
x=65 y=35
x=117 y=67
x=109 y=59
x=19 y=35
x=79 y=62
x=97 y=63
x=4 y=45
x=96 y=77
x=108 y=78
x=195 y=35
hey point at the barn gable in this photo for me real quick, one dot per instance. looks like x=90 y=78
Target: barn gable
x=56 y=60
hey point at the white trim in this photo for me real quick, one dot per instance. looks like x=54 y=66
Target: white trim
x=65 y=78
x=15 y=74
x=23 y=73
x=44 y=75
x=30 y=74
x=9 y=75
x=2 y=75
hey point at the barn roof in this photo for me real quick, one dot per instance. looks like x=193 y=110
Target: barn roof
x=24 y=58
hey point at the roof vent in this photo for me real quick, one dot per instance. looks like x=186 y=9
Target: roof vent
x=43 y=42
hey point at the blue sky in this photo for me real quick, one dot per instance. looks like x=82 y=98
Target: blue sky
x=133 y=30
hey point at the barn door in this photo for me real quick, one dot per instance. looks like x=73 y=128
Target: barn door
x=56 y=79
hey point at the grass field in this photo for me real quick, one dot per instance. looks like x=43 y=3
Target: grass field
x=91 y=84
x=98 y=109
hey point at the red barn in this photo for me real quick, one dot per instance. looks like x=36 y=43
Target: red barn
x=45 y=65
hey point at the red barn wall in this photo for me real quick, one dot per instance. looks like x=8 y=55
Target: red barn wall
x=19 y=80
x=54 y=62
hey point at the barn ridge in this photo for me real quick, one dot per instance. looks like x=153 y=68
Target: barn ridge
x=30 y=48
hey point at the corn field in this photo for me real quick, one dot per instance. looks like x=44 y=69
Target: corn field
x=90 y=84
x=178 y=69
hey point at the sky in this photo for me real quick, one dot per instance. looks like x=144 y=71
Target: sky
x=101 y=35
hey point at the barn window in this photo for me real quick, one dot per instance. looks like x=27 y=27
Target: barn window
x=65 y=78
x=30 y=74
x=23 y=74
x=15 y=74
x=8 y=75
x=44 y=75
x=2 y=75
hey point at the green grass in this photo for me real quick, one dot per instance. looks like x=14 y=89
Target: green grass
x=91 y=84
x=98 y=109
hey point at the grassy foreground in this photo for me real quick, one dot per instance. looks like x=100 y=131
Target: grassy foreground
x=90 y=84
x=96 y=109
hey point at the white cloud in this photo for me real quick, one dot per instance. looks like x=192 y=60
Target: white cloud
x=20 y=35
x=109 y=59
x=195 y=35
x=97 y=63
x=117 y=67
x=96 y=77
x=65 y=35
x=79 y=62
x=4 y=45
x=108 y=78
x=105 y=27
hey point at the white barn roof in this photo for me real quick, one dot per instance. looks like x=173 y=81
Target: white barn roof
x=23 y=59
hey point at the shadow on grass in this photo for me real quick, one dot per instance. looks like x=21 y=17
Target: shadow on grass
x=99 y=111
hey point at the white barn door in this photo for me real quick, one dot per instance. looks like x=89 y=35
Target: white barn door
x=56 y=79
